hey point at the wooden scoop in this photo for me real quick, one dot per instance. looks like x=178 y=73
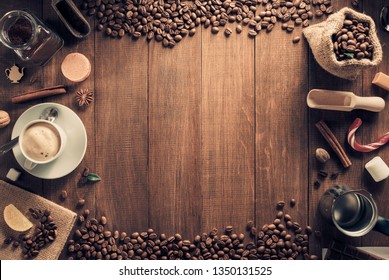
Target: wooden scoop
x=343 y=101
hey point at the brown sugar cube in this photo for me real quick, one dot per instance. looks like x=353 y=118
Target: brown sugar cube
x=381 y=80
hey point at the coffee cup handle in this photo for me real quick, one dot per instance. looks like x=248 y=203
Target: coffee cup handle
x=29 y=164
x=382 y=225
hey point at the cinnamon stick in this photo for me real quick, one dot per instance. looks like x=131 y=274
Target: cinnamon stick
x=329 y=132
x=334 y=143
x=36 y=94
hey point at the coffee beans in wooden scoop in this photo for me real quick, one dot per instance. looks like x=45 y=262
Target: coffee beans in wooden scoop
x=353 y=41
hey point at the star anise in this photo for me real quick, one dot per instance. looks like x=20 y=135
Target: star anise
x=84 y=97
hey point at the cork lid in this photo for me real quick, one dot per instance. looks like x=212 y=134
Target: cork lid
x=76 y=67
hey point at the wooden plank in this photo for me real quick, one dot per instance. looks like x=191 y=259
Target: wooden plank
x=227 y=130
x=374 y=126
x=7 y=90
x=338 y=123
x=174 y=137
x=281 y=78
x=121 y=131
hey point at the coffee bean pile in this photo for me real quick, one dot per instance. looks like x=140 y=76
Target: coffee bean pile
x=45 y=233
x=353 y=41
x=168 y=21
x=283 y=239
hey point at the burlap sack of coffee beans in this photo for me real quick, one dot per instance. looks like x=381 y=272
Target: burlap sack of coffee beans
x=319 y=37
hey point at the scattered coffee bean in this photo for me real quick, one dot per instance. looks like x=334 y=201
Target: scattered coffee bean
x=64 y=195
x=215 y=30
x=103 y=220
x=239 y=29
x=290 y=28
x=80 y=202
x=252 y=33
x=280 y=204
x=81 y=219
x=227 y=32
x=249 y=225
x=292 y=202
x=322 y=174
x=192 y=32
x=86 y=213
x=85 y=173
x=334 y=176
x=287 y=217
x=316 y=184
x=296 y=40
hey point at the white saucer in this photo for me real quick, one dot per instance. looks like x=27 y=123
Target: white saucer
x=76 y=141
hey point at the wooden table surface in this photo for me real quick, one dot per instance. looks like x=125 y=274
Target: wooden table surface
x=211 y=133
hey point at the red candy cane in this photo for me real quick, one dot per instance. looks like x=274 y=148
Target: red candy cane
x=364 y=148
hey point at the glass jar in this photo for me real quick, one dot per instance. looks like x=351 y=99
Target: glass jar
x=29 y=37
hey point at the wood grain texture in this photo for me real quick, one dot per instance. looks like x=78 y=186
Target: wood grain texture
x=227 y=130
x=121 y=131
x=209 y=134
x=174 y=188
x=281 y=117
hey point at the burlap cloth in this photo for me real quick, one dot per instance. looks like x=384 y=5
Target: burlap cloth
x=319 y=37
x=23 y=200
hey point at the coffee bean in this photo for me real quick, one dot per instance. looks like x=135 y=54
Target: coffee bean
x=334 y=175
x=215 y=30
x=64 y=195
x=80 y=202
x=287 y=217
x=280 y=204
x=239 y=29
x=280 y=214
x=296 y=40
x=103 y=220
x=227 y=32
x=86 y=213
x=8 y=240
x=292 y=202
x=322 y=174
x=316 y=184
x=177 y=38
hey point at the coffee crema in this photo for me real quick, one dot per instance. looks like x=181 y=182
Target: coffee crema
x=41 y=142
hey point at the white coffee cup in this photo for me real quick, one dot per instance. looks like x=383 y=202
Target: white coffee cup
x=41 y=142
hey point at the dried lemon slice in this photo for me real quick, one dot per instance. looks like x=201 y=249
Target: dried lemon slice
x=15 y=219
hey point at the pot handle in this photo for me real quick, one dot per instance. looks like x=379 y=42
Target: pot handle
x=382 y=225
